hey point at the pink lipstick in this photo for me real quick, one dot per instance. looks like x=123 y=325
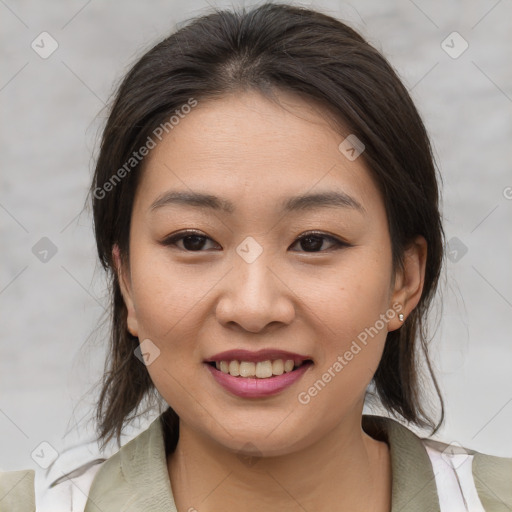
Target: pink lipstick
x=257 y=374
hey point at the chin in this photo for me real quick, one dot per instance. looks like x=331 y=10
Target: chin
x=269 y=440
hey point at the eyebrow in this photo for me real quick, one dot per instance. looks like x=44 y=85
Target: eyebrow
x=305 y=202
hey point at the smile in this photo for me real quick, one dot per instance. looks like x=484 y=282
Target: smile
x=257 y=374
x=260 y=370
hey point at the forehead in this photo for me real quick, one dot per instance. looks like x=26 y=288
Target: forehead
x=249 y=150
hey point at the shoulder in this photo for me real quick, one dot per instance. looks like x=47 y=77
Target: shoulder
x=64 y=485
x=70 y=491
x=50 y=490
x=103 y=484
x=17 y=490
x=431 y=473
x=484 y=481
x=493 y=479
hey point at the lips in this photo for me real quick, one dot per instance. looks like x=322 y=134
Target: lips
x=257 y=374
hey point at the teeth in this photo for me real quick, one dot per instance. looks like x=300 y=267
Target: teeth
x=234 y=368
x=247 y=369
x=278 y=367
x=260 y=370
x=264 y=369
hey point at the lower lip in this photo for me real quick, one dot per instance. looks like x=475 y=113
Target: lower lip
x=252 y=387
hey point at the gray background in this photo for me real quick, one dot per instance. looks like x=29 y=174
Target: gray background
x=52 y=111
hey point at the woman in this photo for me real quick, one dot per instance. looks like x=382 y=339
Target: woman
x=266 y=203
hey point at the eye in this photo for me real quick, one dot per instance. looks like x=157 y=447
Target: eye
x=195 y=241
x=314 y=240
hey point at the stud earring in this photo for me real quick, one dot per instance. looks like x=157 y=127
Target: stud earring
x=401 y=317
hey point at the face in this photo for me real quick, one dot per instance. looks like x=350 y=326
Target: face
x=262 y=272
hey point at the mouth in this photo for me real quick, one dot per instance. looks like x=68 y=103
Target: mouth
x=257 y=374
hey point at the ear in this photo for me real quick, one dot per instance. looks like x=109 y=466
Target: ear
x=123 y=276
x=408 y=285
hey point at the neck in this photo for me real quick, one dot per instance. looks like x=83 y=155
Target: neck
x=345 y=470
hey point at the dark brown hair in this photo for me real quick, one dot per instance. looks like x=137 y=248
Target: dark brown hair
x=292 y=49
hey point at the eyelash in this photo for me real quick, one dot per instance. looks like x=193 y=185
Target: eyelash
x=173 y=239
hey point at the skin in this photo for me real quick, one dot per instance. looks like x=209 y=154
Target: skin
x=194 y=304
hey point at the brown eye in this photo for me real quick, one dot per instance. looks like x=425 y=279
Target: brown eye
x=313 y=242
x=192 y=241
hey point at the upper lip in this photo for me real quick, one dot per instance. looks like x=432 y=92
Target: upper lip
x=260 y=355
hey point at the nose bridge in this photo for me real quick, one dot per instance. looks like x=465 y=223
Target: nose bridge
x=253 y=270
x=255 y=296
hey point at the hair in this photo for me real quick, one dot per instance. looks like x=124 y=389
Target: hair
x=295 y=50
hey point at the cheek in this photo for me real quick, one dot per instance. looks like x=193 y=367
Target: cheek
x=166 y=304
x=355 y=294
x=353 y=313
x=164 y=293
x=165 y=301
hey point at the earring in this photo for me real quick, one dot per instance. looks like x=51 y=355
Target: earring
x=401 y=317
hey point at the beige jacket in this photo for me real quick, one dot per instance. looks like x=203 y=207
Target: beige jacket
x=426 y=476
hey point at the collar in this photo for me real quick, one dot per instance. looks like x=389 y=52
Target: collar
x=413 y=486
x=137 y=476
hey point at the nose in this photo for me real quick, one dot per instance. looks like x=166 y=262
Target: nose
x=255 y=295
